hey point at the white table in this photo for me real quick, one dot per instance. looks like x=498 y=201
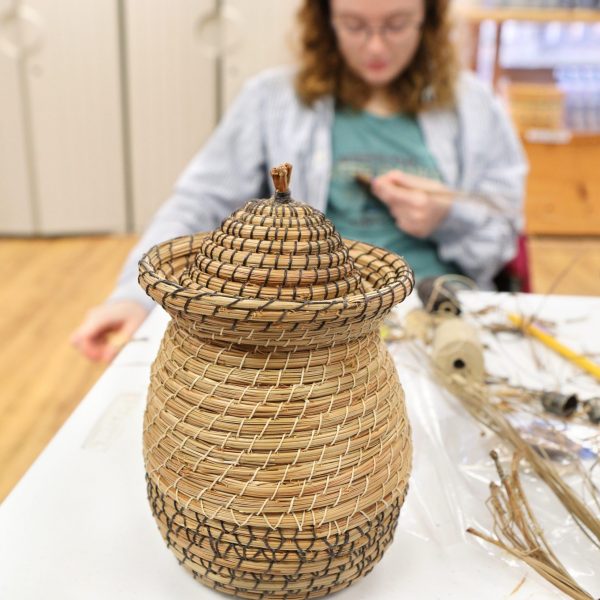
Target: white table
x=78 y=525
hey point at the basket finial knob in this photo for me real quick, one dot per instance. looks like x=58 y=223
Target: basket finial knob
x=281 y=180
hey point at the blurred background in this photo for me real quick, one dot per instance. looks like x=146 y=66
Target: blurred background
x=103 y=103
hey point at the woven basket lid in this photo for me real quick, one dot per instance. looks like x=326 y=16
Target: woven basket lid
x=274 y=260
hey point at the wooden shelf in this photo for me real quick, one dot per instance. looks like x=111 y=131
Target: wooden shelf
x=542 y=15
x=563 y=187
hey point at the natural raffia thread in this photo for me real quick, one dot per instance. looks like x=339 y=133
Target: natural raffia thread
x=276 y=442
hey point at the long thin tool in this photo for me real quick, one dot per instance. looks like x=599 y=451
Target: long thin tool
x=474 y=198
x=539 y=334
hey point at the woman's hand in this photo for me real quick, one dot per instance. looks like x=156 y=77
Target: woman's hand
x=415 y=202
x=106 y=328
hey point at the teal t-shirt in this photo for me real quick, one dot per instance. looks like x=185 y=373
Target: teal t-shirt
x=363 y=142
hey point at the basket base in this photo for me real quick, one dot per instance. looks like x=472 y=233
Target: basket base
x=256 y=563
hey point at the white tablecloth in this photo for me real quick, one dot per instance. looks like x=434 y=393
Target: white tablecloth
x=78 y=525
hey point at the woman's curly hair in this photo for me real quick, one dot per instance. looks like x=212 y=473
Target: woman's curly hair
x=427 y=82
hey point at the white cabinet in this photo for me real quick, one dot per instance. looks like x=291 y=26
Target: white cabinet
x=257 y=35
x=172 y=93
x=104 y=102
x=16 y=206
x=186 y=62
x=66 y=60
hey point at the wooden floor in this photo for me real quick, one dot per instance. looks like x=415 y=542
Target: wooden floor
x=47 y=286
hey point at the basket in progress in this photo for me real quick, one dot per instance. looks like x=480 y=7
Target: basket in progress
x=276 y=443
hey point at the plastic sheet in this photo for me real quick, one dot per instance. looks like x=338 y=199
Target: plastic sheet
x=453 y=468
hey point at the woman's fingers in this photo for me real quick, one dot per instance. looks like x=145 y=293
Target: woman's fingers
x=404 y=204
x=92 y=338
x=107 y=328
x=416 y=211
x=97 y=348
x=108 y=351
x=415 y=181
x=393 y=194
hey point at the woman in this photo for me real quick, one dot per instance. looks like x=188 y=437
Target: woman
x=377 y=92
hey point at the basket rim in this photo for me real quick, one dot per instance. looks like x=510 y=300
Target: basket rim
x=167 y=292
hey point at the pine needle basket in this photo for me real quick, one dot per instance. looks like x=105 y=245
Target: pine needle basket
x=276 y=443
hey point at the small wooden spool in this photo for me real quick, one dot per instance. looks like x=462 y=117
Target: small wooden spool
x=457 y=350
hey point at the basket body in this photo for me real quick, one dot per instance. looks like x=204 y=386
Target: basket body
x=276 y=443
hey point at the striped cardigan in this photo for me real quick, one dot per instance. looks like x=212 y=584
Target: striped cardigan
x=474 y=146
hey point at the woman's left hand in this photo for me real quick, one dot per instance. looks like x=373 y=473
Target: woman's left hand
x=415 y=202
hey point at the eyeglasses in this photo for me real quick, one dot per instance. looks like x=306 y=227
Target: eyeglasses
x=393 y=32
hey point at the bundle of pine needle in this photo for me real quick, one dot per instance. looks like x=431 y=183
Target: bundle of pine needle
x=476 y=398
x=518 y=532
x=516 y=529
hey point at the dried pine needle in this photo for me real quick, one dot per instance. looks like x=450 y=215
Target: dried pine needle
x=518 y=532
x=476 y=399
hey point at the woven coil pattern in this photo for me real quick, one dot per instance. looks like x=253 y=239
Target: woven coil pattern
x=276 y=442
